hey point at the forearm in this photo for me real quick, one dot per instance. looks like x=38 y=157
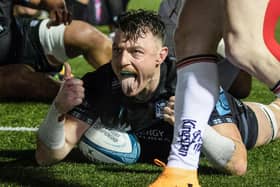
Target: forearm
x=59 y=132
x=56 y=139
x=73 y=130
x=51 y=138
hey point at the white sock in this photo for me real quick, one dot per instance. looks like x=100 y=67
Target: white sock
x=196 y=94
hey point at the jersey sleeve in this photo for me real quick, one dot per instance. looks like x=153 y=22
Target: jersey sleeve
x=97 y=100
x=86 y=111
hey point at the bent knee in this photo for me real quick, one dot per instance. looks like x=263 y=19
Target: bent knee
x=237 y=53
x=244 y=54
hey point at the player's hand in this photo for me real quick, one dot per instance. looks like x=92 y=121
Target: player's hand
x=168 y=111
x=59 y=14
x=71 y=92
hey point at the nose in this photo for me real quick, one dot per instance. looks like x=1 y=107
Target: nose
x=124 y=58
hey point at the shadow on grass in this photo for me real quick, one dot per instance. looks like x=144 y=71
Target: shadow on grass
x=76 y=157
x=19 y=168
x=203 y=170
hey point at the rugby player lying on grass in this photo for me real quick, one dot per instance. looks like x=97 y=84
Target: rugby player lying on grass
x=124 y=95
x=34 y=49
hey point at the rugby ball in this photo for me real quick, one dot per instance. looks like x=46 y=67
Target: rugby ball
x=99 y=144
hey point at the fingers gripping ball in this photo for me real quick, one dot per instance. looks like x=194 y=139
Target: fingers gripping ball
x=110 y=146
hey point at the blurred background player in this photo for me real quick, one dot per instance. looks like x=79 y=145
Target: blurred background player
x=20 y=10
x=98 y=12
x=35 y=49
x=7 y=22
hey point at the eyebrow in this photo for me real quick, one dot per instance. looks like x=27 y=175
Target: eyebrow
x=130 y=47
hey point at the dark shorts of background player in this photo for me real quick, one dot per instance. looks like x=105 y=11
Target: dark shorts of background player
x=26 y=47
x=110 y=9
x=155 y=141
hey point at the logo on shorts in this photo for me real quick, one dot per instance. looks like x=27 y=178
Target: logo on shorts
x=222 y=106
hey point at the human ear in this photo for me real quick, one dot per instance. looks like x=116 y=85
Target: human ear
x=162 y=54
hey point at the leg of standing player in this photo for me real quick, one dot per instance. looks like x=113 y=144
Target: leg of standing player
x=248 y=24
x=197 y=86
x=234 y=33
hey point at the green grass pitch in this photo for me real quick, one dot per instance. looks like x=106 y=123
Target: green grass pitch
x=18 y=168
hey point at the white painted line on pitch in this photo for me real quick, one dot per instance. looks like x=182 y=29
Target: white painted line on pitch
x=30 y=129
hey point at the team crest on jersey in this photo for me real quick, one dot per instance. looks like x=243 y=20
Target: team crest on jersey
x=159 y=106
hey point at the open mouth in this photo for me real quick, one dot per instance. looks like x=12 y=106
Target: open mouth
x=126 y=74
x=129 y=81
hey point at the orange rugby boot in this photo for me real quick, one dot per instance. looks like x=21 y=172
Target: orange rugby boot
x=176 y=177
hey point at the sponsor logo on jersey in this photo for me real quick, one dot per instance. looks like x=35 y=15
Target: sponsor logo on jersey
x=153 y=135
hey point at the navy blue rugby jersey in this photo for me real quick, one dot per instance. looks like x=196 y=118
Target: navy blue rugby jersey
x=104 y=100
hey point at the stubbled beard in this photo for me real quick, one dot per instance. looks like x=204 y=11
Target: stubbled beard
x=142 y=97
x=146 y=93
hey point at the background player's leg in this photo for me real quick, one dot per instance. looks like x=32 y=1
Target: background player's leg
x=21 y=82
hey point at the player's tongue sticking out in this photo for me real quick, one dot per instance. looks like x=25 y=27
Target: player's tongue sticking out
x=128 y=82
